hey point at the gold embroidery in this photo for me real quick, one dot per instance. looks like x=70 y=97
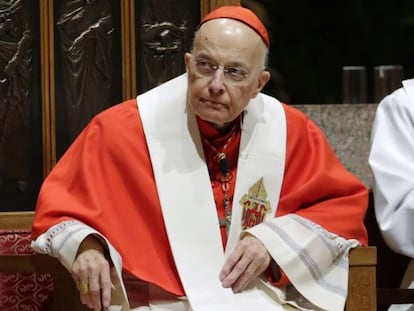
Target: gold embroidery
x=255 y=205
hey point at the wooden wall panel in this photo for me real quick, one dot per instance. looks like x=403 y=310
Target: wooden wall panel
x=47 y=84
x=21 y=164
x=129 y=89
x=163 y=35
x=47 y=38
x=88 y=63
x=128 y=63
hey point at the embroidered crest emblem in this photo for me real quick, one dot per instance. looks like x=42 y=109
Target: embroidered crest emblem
x=255 y=205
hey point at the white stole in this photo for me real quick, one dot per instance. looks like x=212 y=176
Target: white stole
x=185 y=193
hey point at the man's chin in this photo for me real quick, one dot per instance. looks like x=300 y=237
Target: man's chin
x=217 y=123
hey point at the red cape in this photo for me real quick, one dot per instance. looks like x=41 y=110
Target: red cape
x=105 y=180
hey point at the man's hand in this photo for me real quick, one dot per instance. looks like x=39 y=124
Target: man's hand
x=91 y=272
x=248 y=260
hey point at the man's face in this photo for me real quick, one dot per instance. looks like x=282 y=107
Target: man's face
x=225 y=70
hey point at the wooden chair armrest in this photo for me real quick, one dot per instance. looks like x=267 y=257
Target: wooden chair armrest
x=32 y=263
x=362 y=280
x=16 y=220
x=363 y=256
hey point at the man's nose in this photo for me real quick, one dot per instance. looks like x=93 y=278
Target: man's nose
x=216 y=85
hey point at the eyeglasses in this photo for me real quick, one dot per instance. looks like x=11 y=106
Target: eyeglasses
x=207 y=68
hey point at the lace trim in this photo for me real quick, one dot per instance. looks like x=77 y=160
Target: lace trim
x=53 y=232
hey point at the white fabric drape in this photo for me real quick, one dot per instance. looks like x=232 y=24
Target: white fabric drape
x=392 y=162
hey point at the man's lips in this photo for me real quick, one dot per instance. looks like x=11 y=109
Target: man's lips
x=211 y=102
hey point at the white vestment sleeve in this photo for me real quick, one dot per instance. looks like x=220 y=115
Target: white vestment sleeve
x=392 y=162
x=62 y=241
x=314 y=260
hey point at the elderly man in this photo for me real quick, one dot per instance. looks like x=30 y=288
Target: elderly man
x=212 y=194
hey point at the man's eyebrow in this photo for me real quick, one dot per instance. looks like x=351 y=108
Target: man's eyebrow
x=203 y=55
x=235 y=63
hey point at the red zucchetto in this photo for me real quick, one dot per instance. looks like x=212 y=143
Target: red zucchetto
x=242 y=14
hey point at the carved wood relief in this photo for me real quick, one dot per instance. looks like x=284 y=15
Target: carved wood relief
x=16 y=52
x=165 y=30
x=85 y=31
x=85 y=36
x=63 y=61
x=19 y=106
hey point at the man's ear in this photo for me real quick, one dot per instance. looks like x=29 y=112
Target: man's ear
x=187 y=58
x=262 y=79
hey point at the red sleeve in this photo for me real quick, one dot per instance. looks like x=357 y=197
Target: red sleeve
x=103 y=180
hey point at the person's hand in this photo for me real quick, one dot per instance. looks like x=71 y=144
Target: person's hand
x=91 y=272
x=248 y=260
